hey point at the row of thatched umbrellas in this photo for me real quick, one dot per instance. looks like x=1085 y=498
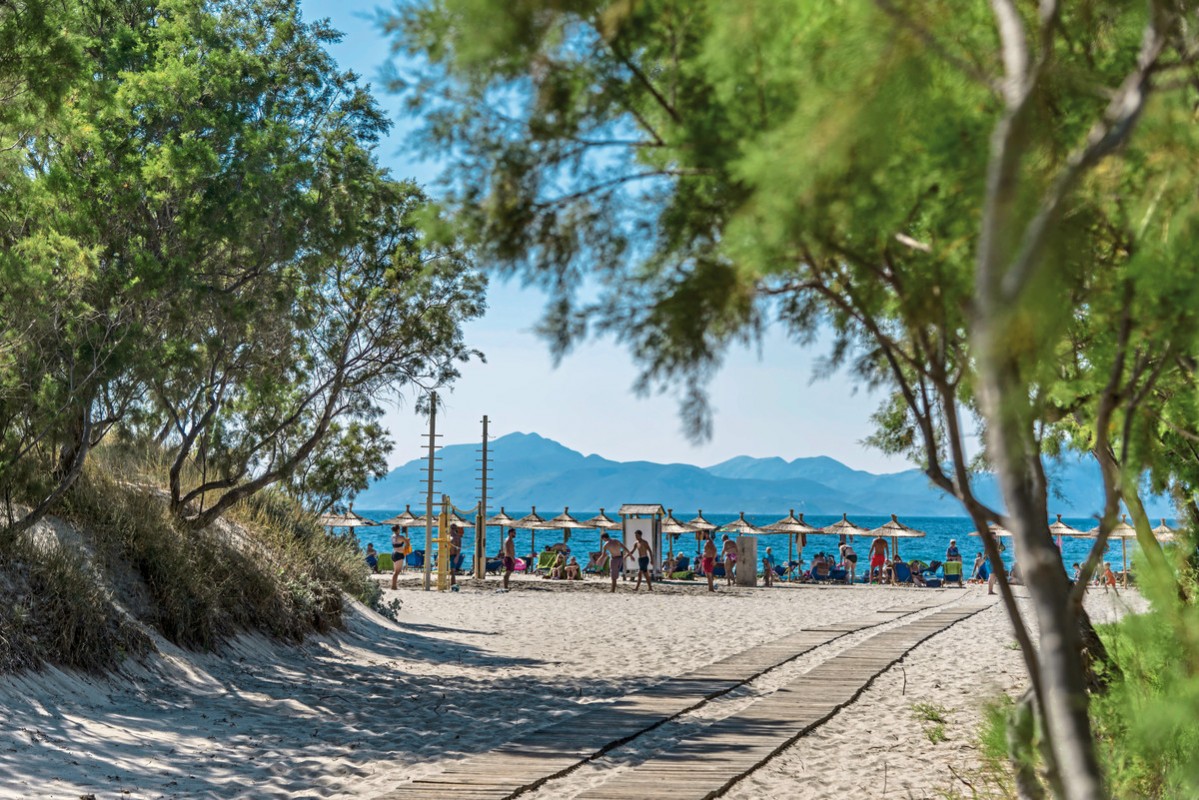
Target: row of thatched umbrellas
x=1121 y=530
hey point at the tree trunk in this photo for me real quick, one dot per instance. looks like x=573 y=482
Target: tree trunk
x=1013 y=450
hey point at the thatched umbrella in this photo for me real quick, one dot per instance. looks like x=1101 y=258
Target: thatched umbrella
x=998 y=531
x=565 y=523
x=602 y=522
x=794 y=528
x=701 y=527
x=672 y=528
x=843 y=527
x=1059 y=529
x=739 y=525
x=404 y=519
x=532 y=522
x=346 y=520
x=1163 y=532
x=1122 y=531
x=896 y=530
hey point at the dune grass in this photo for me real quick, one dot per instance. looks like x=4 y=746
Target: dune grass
x=267 y=568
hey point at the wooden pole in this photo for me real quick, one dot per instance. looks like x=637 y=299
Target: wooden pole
x=1124 y=558
x=428 y=565
x=480 y=528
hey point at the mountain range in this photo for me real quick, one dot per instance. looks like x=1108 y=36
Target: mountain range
x=531 y=470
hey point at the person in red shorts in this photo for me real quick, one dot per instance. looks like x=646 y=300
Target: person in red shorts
x=878 y=557
x=708 y=562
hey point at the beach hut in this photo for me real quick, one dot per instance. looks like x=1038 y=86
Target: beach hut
x=794 y=528
x=671 y=527
x=896 y=530
x=640 y=517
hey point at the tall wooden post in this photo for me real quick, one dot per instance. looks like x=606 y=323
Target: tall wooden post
x=432 y=445
x=443 y=545
x=480 y=518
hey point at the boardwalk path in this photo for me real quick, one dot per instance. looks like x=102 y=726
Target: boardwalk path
x=723 y=753
x=708 y=763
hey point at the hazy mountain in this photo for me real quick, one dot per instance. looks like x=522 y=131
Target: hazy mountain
x=531 y=470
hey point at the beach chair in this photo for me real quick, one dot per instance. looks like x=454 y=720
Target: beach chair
x=952 y=570
x=901 y=573
x=493 y=566
x=545 y=561
x=385 y=562
x=598 y=564
x=415 y=559
x=837 y=574
x=683 y=564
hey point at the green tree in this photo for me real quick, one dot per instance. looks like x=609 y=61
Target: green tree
x=936 y=183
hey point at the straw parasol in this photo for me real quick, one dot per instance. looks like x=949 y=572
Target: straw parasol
x=699 y=524
x=532 y=522
x=1059 y=529
x=672 y=528
x=1163 y=532
x=501 y=519
x=1122 y=531
x=565 y=523
x=739 y=525
x=843 y=527
x=998 y=531
x=601 y=521
x=404 y=519
x=346 y=520
x=896 y=530
x=794 y=528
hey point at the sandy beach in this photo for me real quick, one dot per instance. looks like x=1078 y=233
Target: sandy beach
x=358 y=713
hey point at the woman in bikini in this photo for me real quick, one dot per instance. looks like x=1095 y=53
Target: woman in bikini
x=729 y=554
x=708 y=561
x=399 y=551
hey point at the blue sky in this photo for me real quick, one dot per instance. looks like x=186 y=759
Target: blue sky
x=765 y=404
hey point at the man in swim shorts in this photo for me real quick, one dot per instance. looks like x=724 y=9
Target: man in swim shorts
x=616 y=552
x=645 y=555
x=508 y=555
x=708 y=562
x=878 y=557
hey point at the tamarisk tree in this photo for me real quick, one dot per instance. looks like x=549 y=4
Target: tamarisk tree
x=956 y=191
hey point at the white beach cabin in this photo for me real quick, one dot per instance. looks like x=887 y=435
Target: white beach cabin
x=647 y=518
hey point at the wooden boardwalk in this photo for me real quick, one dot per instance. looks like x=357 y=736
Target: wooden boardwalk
x=550 y=752
x=708 y=763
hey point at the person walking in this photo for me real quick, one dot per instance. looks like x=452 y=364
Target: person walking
x=616 y=553
x=768 y=568
x=455 y=551
x=708 y=561
x=399 y=552
x=878 y=557
x=728 y=553
x=508 y=555
x=645 y=556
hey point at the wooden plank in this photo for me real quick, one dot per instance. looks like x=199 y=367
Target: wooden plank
x=555 y=750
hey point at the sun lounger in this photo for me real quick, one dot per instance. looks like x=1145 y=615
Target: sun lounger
x=952 y=570
x=385 y=563
x=901 y=573
x=415 y=559
x=598 y=564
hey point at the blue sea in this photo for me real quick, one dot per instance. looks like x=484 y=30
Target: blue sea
x=938 y=530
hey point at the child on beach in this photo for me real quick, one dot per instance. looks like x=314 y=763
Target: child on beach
x=1109 y=578
x=768 y=568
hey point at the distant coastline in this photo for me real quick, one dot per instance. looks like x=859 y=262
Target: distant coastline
x=532 y=470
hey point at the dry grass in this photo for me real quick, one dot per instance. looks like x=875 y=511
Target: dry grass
x=269 y=568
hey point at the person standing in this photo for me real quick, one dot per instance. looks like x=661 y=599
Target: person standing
x=616 y=553
x=645 y=557
x=455 y=551
x=728 y=553
x=708 y=561
x=849 y=560
x=768 y=568
x=399 y=552
x=508 y=555
x=878 y=557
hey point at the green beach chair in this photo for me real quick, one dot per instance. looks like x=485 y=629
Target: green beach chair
x=385 y=562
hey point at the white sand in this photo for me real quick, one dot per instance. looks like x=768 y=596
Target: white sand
x=353 y=714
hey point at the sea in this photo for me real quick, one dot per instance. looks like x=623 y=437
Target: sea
x=938 y=532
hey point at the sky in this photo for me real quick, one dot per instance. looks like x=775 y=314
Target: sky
x=764 y=399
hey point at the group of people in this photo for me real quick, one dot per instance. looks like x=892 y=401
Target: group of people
x=401 y=548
